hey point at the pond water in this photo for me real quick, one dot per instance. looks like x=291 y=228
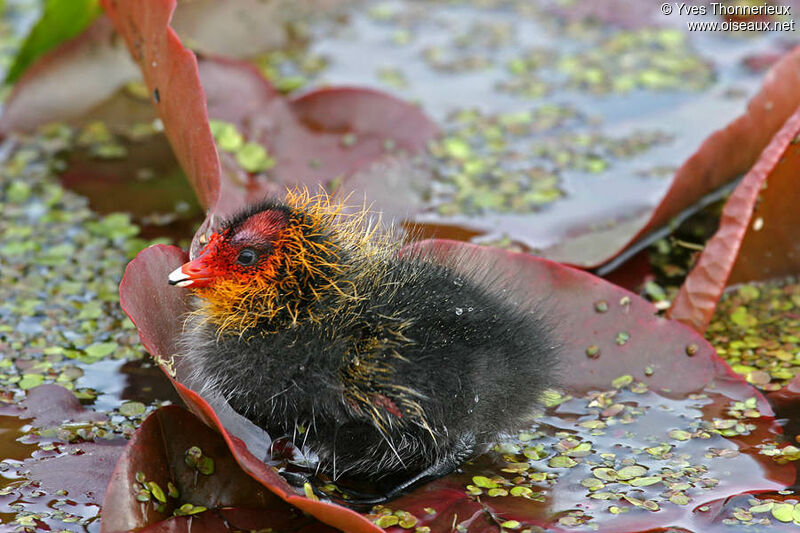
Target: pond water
x=575 y=125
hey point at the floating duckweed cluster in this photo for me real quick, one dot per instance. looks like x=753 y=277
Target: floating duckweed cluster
x=654 y=59
x=650 y=59
x=528 y=78
x=483 y=165
x=595 y=153
x=765 y=512
x=384 y=517
x=780 y=452
x=292 y=68
x=161 y=499
x=121 y=421
x=495 y=163
x=756 y=328
x=602 y=62
x=66 y=439
x=98 y=140
x=392 y=77
x=469 y=50
x=606 y=443
x=60 y=266
x=252 y=157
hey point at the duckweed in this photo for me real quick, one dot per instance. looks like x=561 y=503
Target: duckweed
x=753 y=329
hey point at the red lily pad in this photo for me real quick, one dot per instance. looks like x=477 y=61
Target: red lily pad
x=160 y=454
x=73 y=474
x=750 y=510
x=75 y=79
x=730 y=152
x=590 y=311
x=324 y=135
x=35 y=99
x=170 y=73
x=50 y=405
x=662 y=363
x=757 y=237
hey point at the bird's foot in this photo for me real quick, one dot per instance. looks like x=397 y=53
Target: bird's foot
x=460 y=453
x=361 y=501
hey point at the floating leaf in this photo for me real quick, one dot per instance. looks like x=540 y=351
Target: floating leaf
x=99 y=350
x=154 y=460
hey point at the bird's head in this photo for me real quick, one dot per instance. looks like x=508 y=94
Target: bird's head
x=241 y=252
x=268 y=264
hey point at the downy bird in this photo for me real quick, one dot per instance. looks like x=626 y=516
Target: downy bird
x=381 y=363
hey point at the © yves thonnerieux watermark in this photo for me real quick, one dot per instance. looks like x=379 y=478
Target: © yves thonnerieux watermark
x=734 y=17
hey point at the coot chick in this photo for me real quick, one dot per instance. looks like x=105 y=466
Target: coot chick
x=380 y=363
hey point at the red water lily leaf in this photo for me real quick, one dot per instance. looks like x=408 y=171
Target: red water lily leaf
x=757 y=237
x=81 y=468
x=573 y=298
x=50 y=405
x=676 y=365
x=76 y=78
x=318 y=137
x=35 y=98
x=170 y=73
x=158 y=454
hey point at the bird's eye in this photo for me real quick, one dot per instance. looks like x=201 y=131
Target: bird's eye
x=247 y=257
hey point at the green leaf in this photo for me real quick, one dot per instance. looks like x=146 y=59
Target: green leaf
x=226 y=135
x=484 y=482
x=99 y=350
x=645 y=481
x=61 y=20
x=561 y=461
x=157 y=491
x=254 y=158
x=783 y=511
x=30 y=381
x=130 y=409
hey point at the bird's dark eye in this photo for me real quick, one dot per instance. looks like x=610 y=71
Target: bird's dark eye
x=247 y=257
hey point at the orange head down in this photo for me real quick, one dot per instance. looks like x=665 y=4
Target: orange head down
x=268 y=265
